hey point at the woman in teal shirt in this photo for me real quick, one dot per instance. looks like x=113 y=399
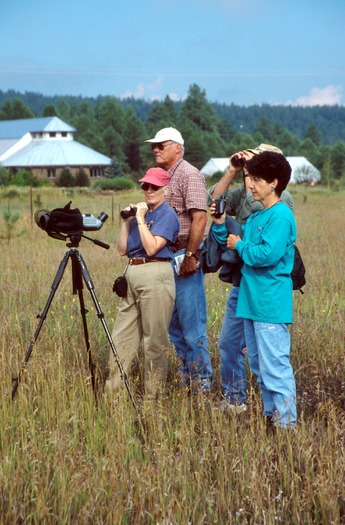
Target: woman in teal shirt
x=265 y=295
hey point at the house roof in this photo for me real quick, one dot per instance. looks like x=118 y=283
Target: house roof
x=41 y=153
x=215 y=164
x=20 y=149
x=6 y=144
x=15 y=129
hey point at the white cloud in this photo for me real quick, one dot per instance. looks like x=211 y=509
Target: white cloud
x=328 y=96
x=175 y=97
x=137 y=93
x=153 y=91
x=146 y=91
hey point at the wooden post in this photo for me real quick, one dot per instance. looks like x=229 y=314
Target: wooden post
x=31 y=207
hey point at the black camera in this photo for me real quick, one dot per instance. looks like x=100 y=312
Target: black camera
x=125 y=214
x=68 y=221
x=220 y=207
x=238 y=162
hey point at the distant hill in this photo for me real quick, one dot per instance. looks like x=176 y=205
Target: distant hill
x=329 y=120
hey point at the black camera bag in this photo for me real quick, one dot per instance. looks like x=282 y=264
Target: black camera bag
x=120 y=284
x=298 y=271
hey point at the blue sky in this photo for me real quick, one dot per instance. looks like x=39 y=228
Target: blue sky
x=239 y=51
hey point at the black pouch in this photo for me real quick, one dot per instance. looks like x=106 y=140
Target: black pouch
x=120 y=286
x=298 y=271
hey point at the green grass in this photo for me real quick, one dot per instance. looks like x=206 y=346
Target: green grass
x=65 y=459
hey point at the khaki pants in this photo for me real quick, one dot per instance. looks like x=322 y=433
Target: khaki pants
x=144 y=316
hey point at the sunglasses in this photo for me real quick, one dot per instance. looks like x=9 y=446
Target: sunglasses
x=146 y=186
x=160 y=145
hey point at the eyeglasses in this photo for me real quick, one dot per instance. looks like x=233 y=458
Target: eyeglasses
x=160 y=145
x=146 y=186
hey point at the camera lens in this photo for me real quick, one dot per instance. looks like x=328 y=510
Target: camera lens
x=102 y=216
x=44 y=221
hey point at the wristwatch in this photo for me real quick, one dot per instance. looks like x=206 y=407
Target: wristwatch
x=190 y=254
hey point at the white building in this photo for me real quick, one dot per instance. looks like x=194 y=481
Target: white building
x=46 y=146
x=302 y=169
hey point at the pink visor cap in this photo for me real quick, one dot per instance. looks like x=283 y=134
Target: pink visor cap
x=156 y=176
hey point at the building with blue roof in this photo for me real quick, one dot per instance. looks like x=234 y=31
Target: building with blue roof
x=46 y=146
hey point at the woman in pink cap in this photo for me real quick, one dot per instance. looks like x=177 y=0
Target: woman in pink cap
x=148 y=231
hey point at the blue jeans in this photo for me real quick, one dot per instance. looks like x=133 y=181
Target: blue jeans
x=231 y=351
x=268 y=348
x=188 y=331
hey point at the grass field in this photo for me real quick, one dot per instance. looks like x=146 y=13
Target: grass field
x=65 y=459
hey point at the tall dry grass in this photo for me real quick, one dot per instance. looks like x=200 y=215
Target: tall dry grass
x=66 y=460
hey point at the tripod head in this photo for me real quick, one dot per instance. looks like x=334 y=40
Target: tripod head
x=75 y=238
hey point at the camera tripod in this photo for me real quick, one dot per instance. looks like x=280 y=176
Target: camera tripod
x=79 y=273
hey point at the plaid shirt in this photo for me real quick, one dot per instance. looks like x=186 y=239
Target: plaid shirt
x=187 y=191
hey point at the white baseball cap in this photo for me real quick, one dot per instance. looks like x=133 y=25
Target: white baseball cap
x=167 y=134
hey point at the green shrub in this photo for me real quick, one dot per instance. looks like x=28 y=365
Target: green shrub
x=5 y=176
x=82 y=179
x=114 y=170
x=117 y=184
x=11 y=194
x=26 y=178
x=214 y=178
x=66 y=179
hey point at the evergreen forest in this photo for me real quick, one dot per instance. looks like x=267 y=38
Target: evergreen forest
x=118 y=127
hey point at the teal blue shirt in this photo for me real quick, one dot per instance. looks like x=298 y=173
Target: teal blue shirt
x=267 y=251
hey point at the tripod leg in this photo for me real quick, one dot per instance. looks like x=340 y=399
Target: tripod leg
x=100 y=315
x=54 y=287
x=78 y=288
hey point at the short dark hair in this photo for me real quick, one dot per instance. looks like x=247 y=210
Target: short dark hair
x=269 y=166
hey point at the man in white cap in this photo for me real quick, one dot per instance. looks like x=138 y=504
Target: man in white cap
x=188 y=196
x=240 y=203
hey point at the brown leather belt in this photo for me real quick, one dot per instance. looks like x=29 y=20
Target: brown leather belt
x=179 y=246
x=143 y=260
